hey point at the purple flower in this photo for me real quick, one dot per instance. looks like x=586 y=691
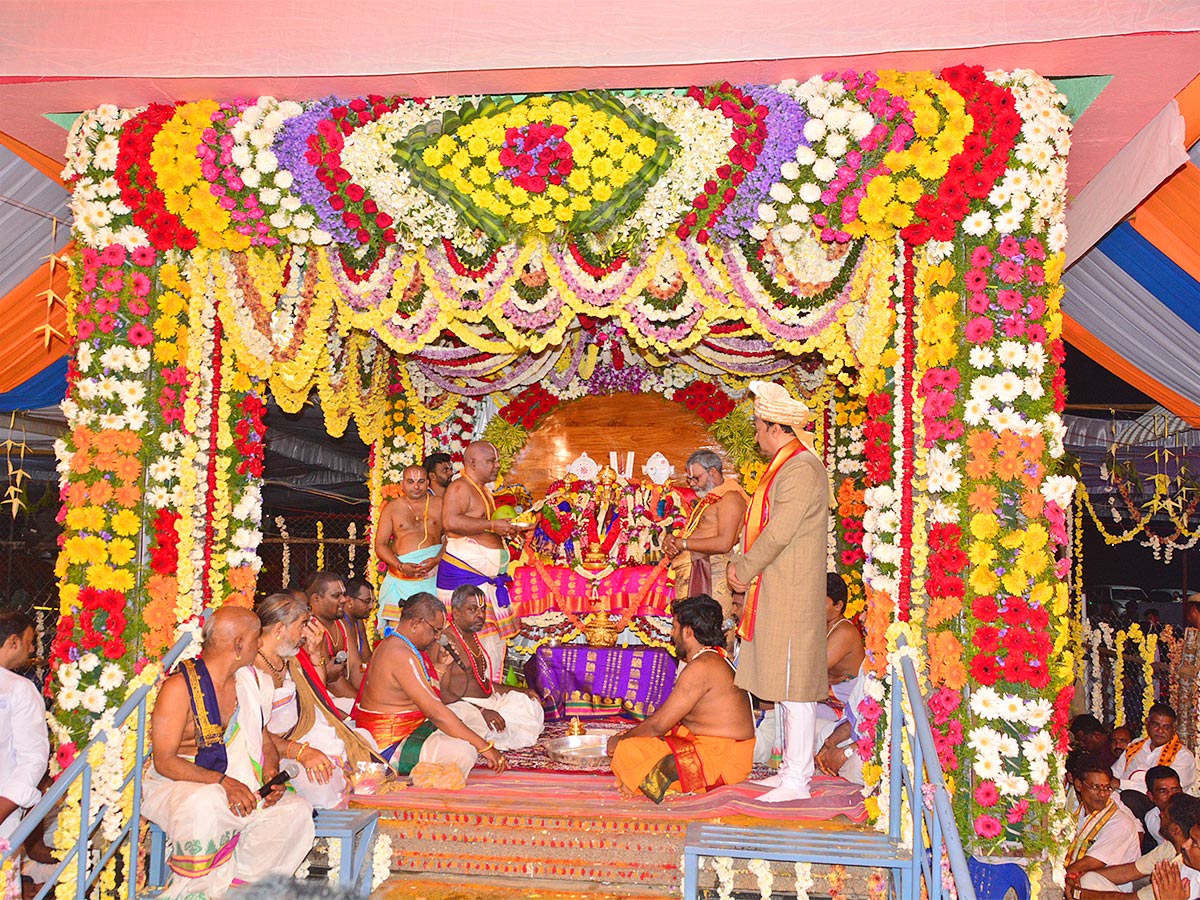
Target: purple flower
x=291 y=145
x=785 y=132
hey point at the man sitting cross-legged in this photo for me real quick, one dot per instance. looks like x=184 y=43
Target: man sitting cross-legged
x=1179 y=815
x=703 y=735
x=509 y=717
x=400 y=702
x=1106 y=832
x=211 y=753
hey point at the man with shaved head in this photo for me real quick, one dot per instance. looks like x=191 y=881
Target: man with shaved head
x=475 y=553
x=409 y=541
x=211 y=754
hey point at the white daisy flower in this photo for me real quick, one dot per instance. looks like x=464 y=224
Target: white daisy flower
x=88 y=662
x=1007 y=386
x=1011 y=708
x=1039 y=746
x=985 y=702
x=111 y=677
x=1012 y=785
x=981 y=357
x=1005 y=419
x=69 y=698
x=987 y=767
x=1011 y=354
x=94 y=699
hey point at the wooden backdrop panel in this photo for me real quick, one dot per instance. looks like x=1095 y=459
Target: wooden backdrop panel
x=642 y=423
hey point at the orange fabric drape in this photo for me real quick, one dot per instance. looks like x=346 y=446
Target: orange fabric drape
x=1167 y=219
x=51 y=168
x=1087 y=343
x=23 y=312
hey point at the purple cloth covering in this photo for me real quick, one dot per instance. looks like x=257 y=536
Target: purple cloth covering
x=578 y=680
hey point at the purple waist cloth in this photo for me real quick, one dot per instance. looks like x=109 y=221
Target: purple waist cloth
x=635 y=680
x=451 y=574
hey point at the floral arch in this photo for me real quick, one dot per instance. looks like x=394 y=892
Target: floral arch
x=889 y=244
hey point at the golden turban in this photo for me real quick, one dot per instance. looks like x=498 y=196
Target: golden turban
x=772 y=403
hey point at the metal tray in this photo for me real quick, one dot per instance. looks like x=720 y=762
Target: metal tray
x=582 y=751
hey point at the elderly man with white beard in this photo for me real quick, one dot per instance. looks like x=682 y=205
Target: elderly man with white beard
x=305 y=723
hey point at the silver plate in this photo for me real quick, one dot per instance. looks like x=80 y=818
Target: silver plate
x=583 y=751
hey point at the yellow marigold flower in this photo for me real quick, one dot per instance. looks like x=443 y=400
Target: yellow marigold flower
x=646 y=146
x=932 y=167
x=629 y=166
x=519 y=196
x=578 y=180
x=478 y=145
x=446 y=171
x=1014 y=581
x=68 y=598
x=981 y=553
x=460 y=159
x=546 y=226
x=492 y=164
x=557 y=193
x=600 y=139
x=984 y=526
x=166 y=351
x=540 y=205
x=564 y=213
x=583 y=154
x=580 y=202
x=432 y=156
x=479 y=175
x=522 y=216
x=1035 y=562
x=602 y=167
x=601 y=192
x=1059 y=605
x=560 y=111
x=121 y=551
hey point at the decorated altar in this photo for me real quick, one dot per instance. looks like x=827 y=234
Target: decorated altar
x=886 y=244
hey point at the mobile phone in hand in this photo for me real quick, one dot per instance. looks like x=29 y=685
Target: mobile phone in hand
x=282 y=778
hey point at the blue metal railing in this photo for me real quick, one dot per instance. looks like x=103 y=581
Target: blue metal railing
x=89 y=870
x=933 y=824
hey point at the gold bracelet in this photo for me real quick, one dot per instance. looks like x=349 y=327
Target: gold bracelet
x=490 y=745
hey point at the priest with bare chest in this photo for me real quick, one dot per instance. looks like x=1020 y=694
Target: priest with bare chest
x=509 y=717
x=408 y=539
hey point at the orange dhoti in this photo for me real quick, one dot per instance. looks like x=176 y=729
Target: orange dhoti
x=681 y=762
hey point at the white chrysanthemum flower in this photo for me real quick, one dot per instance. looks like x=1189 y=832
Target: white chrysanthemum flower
x=1007 y=386
x=987 y=767
x=88 y=662
x=1005 y=419
x=766 y=213
x=838 y=118
x=1011 y=354
x=789 y=233
x=1040 y=746
x=157 y=497
x=94 y=699
x=251 y=177
x=983 y=387
x=139 y=359
x=266 y=162
x=111 y=677
x=136 y=417
x=985 y=702
x=781 y=192
x=824 y=168
x=1059 y=489
x=806 y=156
x=814 y=130
x=1012 y=709
x=861 y=123
x=757 y=231
x=836 y=145
x=131 y=392
x=790 y=171
x=981 y=357
x=241 y=156
x=1012 y=785
x=284 y=179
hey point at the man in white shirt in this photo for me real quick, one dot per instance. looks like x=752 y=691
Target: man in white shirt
x=1160 y=747
x=1106 y=832
x=1162 y=783
x=24 y=740
x=1178 y=817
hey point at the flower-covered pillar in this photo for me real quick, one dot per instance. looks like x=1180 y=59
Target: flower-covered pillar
x=966 y=524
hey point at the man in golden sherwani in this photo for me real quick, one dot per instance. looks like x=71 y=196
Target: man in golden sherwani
x=782 y=565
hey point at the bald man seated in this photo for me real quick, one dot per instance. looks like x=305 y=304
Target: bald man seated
x=408 y=539
x=401 y=706
x=211 y=754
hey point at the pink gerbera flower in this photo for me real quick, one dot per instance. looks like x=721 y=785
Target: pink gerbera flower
x=140 y=335
x=988 y=827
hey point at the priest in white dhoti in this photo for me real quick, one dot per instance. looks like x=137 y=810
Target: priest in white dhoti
x=308 y=728
x=1160 y=747
x=475 y=553
x=509 y=717
x=211 y=754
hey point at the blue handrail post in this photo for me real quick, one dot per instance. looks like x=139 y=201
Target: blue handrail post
x=135 y=834
x=896 y=758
